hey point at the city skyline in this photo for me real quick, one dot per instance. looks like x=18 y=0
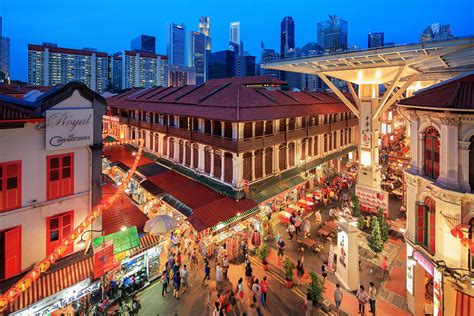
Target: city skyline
x=17 y=25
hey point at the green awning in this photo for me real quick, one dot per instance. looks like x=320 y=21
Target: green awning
x=109 y=139
x=275 y=187
x=122 y=240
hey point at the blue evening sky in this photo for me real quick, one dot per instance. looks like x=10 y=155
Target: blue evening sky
x=110 y=25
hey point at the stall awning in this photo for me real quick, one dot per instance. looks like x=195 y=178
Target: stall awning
x=151 y=188
x=124 y=155
x=220 y=211
x=146 y=242
x=274 y=187
x=123 y=240
x=151 y=169
x=53 y=282
x=313 y=164
x=177 y=205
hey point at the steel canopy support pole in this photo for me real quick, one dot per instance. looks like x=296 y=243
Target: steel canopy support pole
x=338 y=93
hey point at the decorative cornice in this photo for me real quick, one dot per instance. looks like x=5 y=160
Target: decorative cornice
x=464 y=145
x=450 y=121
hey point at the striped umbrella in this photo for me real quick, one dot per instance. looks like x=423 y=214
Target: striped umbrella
x=160 y=224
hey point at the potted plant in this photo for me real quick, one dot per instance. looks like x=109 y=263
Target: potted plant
x=262 y=253
x=315 y=289
x=288 y=266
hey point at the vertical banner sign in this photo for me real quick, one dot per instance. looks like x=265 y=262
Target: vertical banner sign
x=69 y=128
x=104 y=259
x=410 y=269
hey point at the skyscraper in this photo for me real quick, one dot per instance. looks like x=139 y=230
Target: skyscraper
x=197 y=55
x=177 y=44
x=269 y=55
x=287 y=42
x=332 y=34
x=205 y=28
x=222 y=64
x=311 y=82
x=436 y=31
x=375 y=40
x=49 y=65
x=4 y=56
x=235 y=32
x=143 y=43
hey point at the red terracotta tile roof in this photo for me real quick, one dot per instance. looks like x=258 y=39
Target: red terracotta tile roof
x=121 y=154
x=252 y=80
x=229 y=100
x=121 y=213
x=456 y=94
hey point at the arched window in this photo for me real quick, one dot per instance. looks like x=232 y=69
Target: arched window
x=187 y=161
x=207 y=160
x=426 y=224
x=157 y=142
x=326 y=143
x=217 y=163
x=195 y=156
x=181 y=151
x=310 y=147
x=431 y=152
x=171 y=154
x=228 y=168
x=269 y=160
x=282 y=157
x=303 y=149
x=258 y=163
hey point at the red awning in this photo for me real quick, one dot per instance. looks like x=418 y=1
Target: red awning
x=121 y=213
x=52 y=282
x=121 y=154
x=464 y=304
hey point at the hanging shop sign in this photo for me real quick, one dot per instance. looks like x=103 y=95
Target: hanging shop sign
x=104 y=259
x=410 y=269
x=437 y=292
x=424 y=262
x=69 y=128
x=342 y=240
x=61 y=299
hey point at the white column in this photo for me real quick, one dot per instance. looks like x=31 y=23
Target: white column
x=415 y=148
x=222 y=129
x=253 y=129
x=212 y=162
x=253 y=161
x=449 y=160
x=263 y=163
x=464 y=166
x=276 y=162
x=222 y=167
x=201 y=158
x=237 y=161
x=235 y=134
x=191 y=163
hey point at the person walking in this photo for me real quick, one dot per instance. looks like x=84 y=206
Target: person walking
x=338 y=297
x=225 y=266
x=324 y=271
x=248 y=274
x=194 y=265
x=219 y=277
x=207 y=273
x=281 y=247
x=362 y=298
x=318 y=219
x=291 y=231
x=384 y=265
x=184 y=278
x=372 y=297
x=264 y=290
x=306 y=228
x=239 y=290
x=297 y=224
x=176 y=284
x=300 y=270
x=164 y=282
x=256 y=290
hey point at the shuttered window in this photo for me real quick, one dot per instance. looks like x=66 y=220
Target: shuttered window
x=60 y=176
x=57 y=228
x=10 y=185
x=10 y=252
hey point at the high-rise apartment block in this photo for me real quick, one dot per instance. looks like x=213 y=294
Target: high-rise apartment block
x=332 y=34
x=375 y=39
x=177 y=44
x=49 y=65
x=197 y=55
x=436 y=31
x=205 y=28
x=138 y=69
x=287 y=35
x=4 y=56
x=144 y=43
x=234 y=32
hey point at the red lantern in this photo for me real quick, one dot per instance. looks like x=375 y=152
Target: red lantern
x=3 y=303
x=456 y=232
x=471 y=247
x=465 y=242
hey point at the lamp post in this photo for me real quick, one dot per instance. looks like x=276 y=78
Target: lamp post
x=82 y=242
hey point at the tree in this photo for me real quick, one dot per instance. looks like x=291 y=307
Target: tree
x=384 y=227
x=315 y=288
x=375 y=239
x=361 y=223
x=356 y=208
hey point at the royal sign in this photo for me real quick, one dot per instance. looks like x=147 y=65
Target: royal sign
x=69 y=128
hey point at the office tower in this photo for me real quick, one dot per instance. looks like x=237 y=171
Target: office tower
x=311 y=82
x=269 y=55
x=247 y=66
x=205 y=28
x=197 y=55
x=139 y=69
x=287 y=35
x=436 y=31
x=375 y=40
x=234 y=32
x=177 y=44
x=143 y=43
x=222 y=64
x=4 y=59
x=50 y=65
x=182 y=76
x=332 y=34
x=292 y=78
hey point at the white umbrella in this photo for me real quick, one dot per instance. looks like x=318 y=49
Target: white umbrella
x=160 y=224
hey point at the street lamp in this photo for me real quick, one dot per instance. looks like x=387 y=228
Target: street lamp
x=82 y=242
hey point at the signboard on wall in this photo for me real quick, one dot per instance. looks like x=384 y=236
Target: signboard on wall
x=69 y=128
x=342 y=248
x=437 y=292
x=372 y=200
x=410 y=269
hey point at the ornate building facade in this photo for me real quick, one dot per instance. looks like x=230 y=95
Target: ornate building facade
x=440 y=203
